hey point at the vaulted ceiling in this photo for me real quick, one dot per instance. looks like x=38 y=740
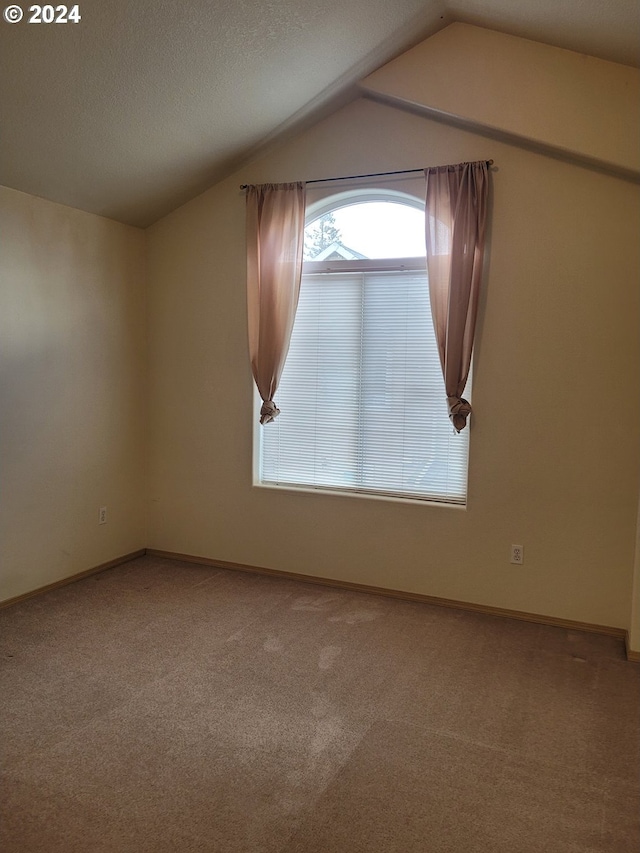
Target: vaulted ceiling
x=145 y=103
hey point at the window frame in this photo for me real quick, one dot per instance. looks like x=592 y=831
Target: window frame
x=363 y=264
x=315 y=210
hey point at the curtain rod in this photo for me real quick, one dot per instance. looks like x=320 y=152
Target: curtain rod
x=376 y=174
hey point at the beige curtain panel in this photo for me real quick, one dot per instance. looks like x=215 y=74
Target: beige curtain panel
x=455 y=214
x=275 y=240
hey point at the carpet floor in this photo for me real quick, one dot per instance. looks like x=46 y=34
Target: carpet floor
x=163 y=706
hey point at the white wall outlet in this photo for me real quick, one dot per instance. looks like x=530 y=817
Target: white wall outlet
x=517 y=554
x=102 y=515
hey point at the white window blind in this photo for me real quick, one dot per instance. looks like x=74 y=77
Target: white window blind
x=362 y=399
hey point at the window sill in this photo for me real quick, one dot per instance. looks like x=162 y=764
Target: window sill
x=310 y=490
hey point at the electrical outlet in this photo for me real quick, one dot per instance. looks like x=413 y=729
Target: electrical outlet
x=517 y=554
x=102 y=515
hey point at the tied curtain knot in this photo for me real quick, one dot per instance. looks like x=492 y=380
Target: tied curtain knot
x=268 y=412
x=459 y=411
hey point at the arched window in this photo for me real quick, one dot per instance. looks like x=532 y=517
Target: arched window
x=362 y=399
x=369 y=224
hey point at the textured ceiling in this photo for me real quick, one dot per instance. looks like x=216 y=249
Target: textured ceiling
x=146 y=103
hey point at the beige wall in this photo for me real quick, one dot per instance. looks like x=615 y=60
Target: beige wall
x=72 y=392
x=554 y=458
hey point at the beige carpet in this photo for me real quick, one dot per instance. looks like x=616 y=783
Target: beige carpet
x=163 y=706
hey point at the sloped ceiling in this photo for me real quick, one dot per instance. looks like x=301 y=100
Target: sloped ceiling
x=146 y=103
